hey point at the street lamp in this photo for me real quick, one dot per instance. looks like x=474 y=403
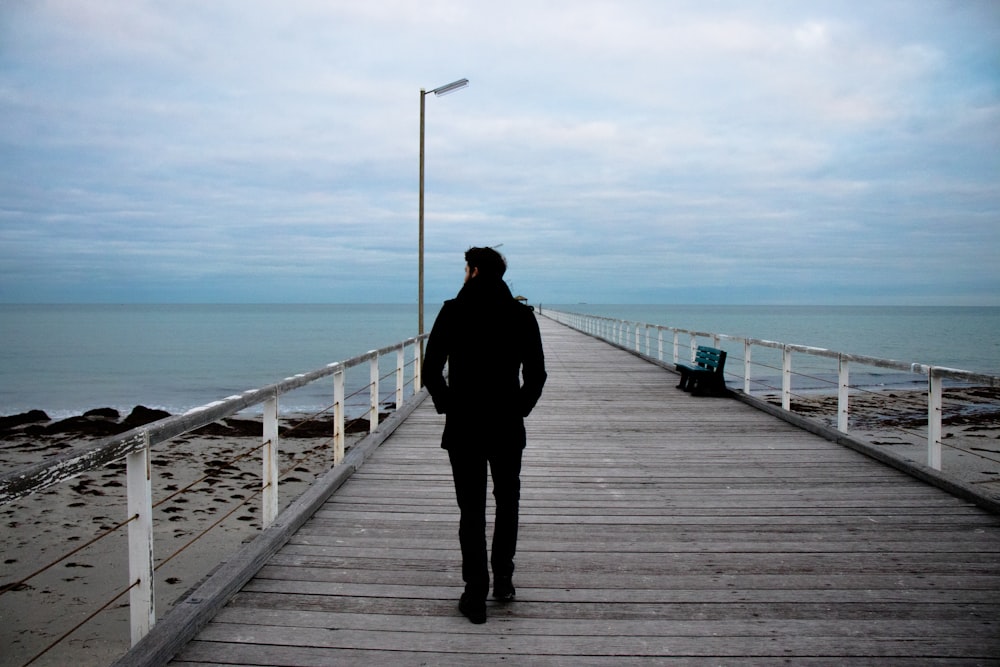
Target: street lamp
x=443 y=90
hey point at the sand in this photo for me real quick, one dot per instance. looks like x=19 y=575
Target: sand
x=53 y=522
x=50 y=523
x=896 y=422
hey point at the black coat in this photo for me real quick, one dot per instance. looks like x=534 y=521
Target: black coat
x=489 y=342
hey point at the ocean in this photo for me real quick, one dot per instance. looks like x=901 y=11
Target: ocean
x=67 y=359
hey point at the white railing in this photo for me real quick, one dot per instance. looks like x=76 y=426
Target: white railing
x=668 y=344
x=135 y=447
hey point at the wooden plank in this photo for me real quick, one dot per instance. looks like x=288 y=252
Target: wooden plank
x=656 y=528
x=706 y=639
x=616 y=603
x=323 y=657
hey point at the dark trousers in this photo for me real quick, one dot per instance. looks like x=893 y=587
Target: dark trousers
x=468 y=467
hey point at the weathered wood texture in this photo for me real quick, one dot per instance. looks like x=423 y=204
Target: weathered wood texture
x=656 y=528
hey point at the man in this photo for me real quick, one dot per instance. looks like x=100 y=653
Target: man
x=489 y=342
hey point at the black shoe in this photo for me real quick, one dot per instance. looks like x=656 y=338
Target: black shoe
x=503 y=589
x=472 y=609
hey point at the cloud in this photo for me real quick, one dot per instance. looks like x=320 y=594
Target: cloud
x=633 y=150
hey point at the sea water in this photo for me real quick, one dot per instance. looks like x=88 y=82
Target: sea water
x=67 y=359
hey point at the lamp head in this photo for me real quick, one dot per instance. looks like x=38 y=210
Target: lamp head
x=451 y=87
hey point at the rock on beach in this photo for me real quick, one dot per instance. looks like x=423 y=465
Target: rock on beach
x=98 y=423
x=106 y=422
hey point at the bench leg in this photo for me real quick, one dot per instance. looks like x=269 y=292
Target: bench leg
x=710 y=386
x=719 y=387
x=685 y=380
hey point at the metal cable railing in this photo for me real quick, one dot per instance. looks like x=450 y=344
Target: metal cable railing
x=772 y=382
x=135 y=447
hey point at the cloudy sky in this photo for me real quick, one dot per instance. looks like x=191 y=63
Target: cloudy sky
x=622 y=151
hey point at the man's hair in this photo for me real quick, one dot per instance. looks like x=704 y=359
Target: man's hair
x=490 y=263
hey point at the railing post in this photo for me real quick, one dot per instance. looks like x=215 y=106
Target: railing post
x=373 y=394
x=142 y=607
x=934 y=405
x=400 y=365
x=418 y=366
x=747 y=351
x=659 y=343
x=269 y=478
x=638 y=341
x=338 y=415
x=843 y=395
x=676 y=345
x=786 y=378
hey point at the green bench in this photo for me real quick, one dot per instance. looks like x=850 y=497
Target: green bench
x=704 y=376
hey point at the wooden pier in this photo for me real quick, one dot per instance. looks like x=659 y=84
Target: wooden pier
x=656 y=528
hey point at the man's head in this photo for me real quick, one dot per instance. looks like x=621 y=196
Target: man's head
x=485 y=263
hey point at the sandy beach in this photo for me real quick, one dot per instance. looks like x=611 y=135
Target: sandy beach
x=51 y=523
x=896 y=422
x=57 y=520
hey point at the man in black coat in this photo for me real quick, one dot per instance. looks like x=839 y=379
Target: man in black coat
x=489 y=341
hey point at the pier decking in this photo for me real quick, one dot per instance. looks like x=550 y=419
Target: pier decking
x=656 y=528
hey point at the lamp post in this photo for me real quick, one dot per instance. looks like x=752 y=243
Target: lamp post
x=443 y=90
